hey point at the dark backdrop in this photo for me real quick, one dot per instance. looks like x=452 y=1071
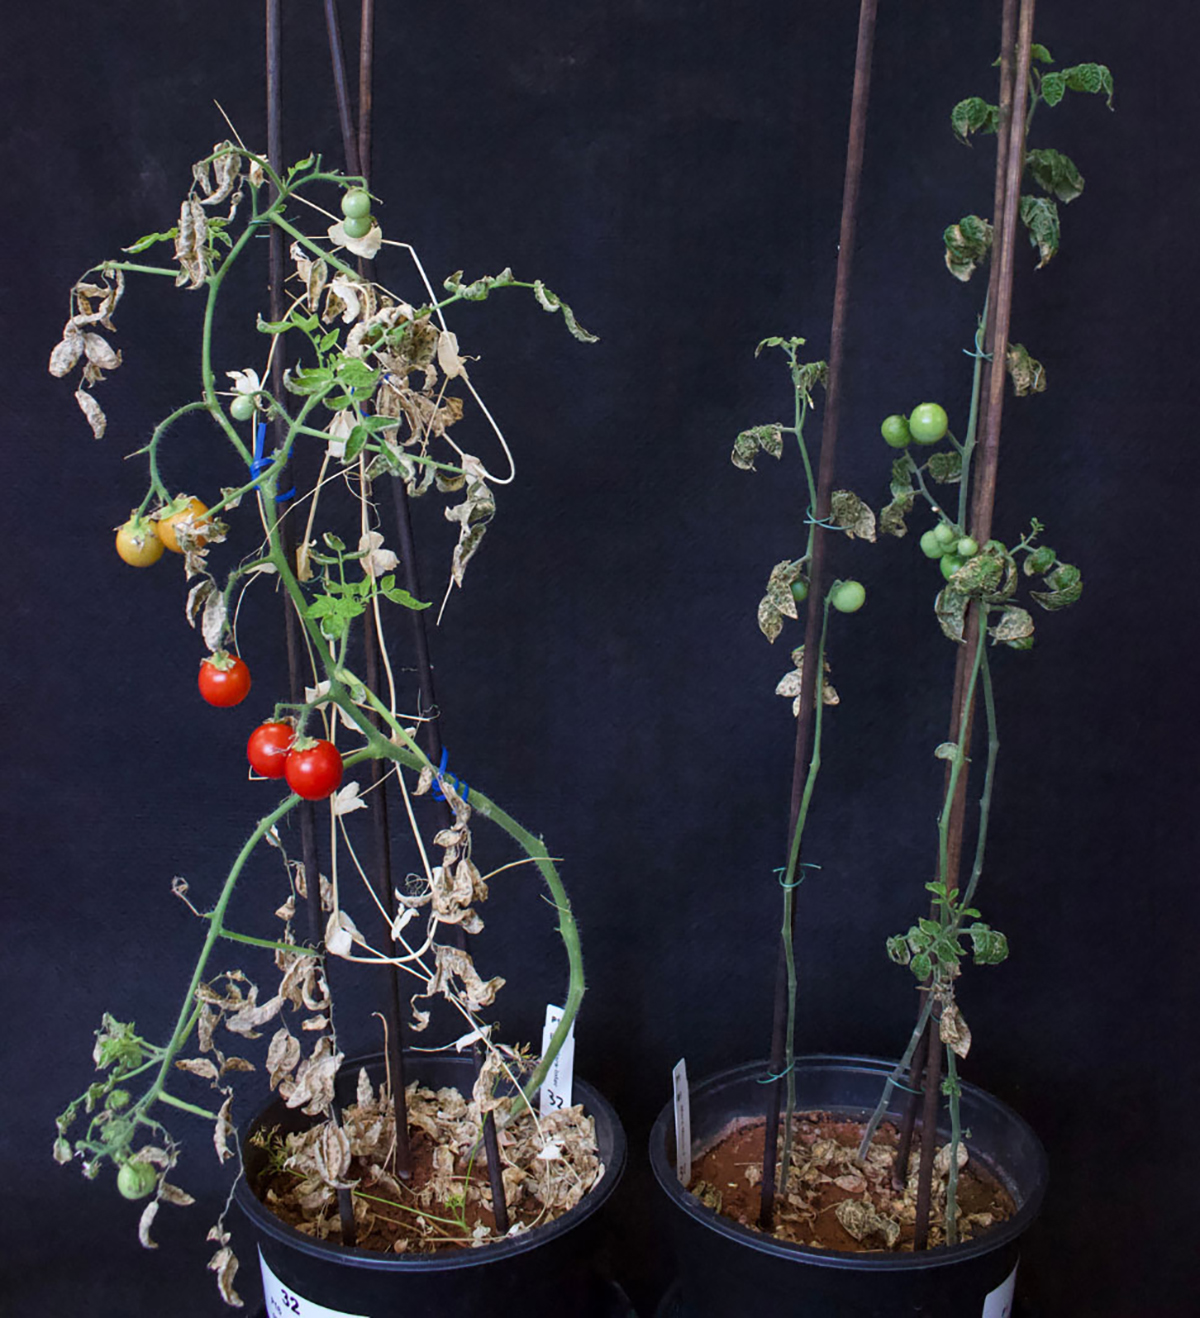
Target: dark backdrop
x=674 y=170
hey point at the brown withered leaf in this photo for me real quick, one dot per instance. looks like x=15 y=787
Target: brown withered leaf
x=223 y=170
x=67 y=351
x=251 y=1015
x=954 y=1031
x=861 y=1220
x=93 y=411
x=312 y=1089
x=282 y=1056
x=100 y=352
x=224 y=1263
x=145 y=1222
x=105 y=298
x=236 y=1064
x=222 y=1131
x=191 y=244
x=200 y=1066
x=172 y=1194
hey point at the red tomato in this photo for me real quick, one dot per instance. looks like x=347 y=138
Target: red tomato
x=268 y=748
x=314 y=772
x=224 y=679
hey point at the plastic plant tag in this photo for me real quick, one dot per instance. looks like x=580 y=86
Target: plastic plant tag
x=281 y=1303
x=556 y=1088
x=683 y=1123
x=999 y=1303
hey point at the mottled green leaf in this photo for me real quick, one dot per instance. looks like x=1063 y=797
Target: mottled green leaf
x=768 y=438
x=548 y=301
x=989 y=945
x=1053 y=87
x=1041 y=54
x=1090 y=78
x=807 y=375
x=948 y=750
x=1040 y=561
x=951 y=610
x=1040 y=217
x=1014 y=624
x=898 y=950
x=852 y=515
x=967 y=244
x=921 y=965
x=945 y=468
x=979 y=576
x=1066 y=586
x=1028 y=375
x=1055 y=173
x=974 y=115
x=770 y=620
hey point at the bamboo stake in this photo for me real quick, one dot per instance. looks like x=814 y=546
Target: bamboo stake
x=811 y=677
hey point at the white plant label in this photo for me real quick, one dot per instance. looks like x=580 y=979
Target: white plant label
x=283 y=1303
x=556 y=1091
x=999 y=1303
x=683 y=1123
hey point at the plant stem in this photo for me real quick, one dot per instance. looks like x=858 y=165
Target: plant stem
x=968 y=445
x=955 y=1140
x=893 y=1079
x=186 y=1107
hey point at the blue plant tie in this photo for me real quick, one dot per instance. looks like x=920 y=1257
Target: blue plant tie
x=261 y=463
x=795 y=883
x=770 y=1077
x=459 y=786
x=816 y=521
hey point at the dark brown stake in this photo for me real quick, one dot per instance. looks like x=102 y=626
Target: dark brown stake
x=366 y=64
x=810 y=680
x=358 y=162
x=308 y=832
x=1010 y=161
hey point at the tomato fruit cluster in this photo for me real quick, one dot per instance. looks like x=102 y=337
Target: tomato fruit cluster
x=313 y=770
x=927 y=424
x=356 y=213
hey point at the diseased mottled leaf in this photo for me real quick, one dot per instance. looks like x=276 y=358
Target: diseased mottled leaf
x=951 y=610
x=945 y=468
x=1094 y=78
x=953 y=1030
x=768 y=438
x=770 y=620
x=973 y=115
x=967 y=244
x=549 y=301
x=1055 y=173
x=1066 y=586
x=1040 y=216
x=852 y=515
x=1014 y=624
x=1028 y=375
x=948 y=750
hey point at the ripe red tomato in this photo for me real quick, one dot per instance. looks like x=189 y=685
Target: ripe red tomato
x=268 y=747
x=314 y=772
x=224 y=679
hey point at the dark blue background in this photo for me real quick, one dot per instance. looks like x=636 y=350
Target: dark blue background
x=674 y=171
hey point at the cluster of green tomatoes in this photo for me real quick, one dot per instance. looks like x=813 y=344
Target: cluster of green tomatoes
x=927 y=424
x=356 y=213
x=949 y=547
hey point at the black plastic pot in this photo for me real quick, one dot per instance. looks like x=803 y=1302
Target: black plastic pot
x=548 y=1270
x=727 y=1269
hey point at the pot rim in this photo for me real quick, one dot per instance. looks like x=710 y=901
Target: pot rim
x=594 y=1104
x=994 y=1239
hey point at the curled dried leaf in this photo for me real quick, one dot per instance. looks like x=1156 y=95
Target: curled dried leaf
x=224 y=1263
x=93 y=411
x=67 y=351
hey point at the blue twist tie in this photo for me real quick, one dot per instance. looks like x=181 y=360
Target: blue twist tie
x=771 y=1077
x=262 y=463
x=459 y=786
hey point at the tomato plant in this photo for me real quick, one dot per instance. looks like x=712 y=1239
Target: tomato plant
x=848 y=596
x=185 y=506
x=314 y=770
x=928 y=423
x=268 y=748
x=138 y=543
x=135 y=1180
x=224 y=679
x=895 y=432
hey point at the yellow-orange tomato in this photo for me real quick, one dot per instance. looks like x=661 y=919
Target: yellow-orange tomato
x=183 y=506
x=138 y=543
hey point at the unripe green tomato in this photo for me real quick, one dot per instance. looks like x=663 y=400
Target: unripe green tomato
x=799 y=591
x=356 y=204
x=950 y=565
x=895 y=432
x=242 y=407
x=931 y=546
x=946 y=534
x=135 y=1180
x=357 y=226
x=849 y=597
x=966 y=547
x=928 y=423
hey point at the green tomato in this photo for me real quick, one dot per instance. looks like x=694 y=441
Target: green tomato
x=848 y=597
x=931 y=546
x=242 y=407
x=950 y=564
x=928 y=423
x=966 y=547
x=135 y=1180
x=799 y=591
x=357 y=226
x=895 y=432
x=945 y=533
x=356 y=204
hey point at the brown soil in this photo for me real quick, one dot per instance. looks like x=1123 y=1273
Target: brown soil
x=824 y=1174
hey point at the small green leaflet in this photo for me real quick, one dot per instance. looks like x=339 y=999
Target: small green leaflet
x=1055 y=173
x=1040 y=53
x=342 y=602
x=150 y=239
x=974 y=115
x=945 y=468
x=1040 y=217
x=1027 y=373
x=1040 y=561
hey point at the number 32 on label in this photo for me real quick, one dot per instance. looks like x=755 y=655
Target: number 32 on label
x=283 y=1303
